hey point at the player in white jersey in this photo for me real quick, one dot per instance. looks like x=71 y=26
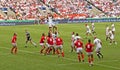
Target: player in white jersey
x=51 y=23
x=111 y=37
x=76 y=37
x=93 y=28
x=113 y=28
x=98 y=44
x=72 y=42
x=88 y=30
x=107 y=32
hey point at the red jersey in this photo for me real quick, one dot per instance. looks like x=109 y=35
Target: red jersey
x=14 y=39
x=78 y=44
x=59 y=41
x=89 y=47
x=42 y=39
x=50 y=41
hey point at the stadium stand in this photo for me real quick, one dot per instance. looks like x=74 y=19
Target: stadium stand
x=73 y=9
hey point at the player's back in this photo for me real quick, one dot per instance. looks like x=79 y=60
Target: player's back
x=97 y=42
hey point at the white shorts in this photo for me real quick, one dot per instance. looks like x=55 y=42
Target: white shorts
x=59 y=47
x=107 y=34
x=51 y=24
x=79 y=50
x=48 y=45
x=14 y=44
x=89 y=53
x=41 y=44
x=72 y=44
x=89 y=31
x=98 y=49
x=112 y=37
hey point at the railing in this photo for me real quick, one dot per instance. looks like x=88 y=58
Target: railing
x=30 y=22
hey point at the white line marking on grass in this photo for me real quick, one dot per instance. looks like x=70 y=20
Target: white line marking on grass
x=112 y=67
x=107 y=66
x=4 y=53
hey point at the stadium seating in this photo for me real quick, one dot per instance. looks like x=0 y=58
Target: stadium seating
x=73 y=9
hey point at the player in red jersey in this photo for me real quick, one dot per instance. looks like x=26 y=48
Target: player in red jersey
x=59 y=46
x=42 y=42
x=79 y=47
x=89 y=49
x=50 y=44
x=14 y=44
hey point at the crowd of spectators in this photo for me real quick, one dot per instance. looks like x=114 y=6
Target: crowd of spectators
x=23 y=9
x=30 y=9
x=110 y=7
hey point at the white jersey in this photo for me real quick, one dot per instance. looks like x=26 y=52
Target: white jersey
x=107 y=30
x=113 y=27
x=97 y=42
x=88 y=29
x=72 y=38
x=50 y=20
x=93 y=26
x=76 y=37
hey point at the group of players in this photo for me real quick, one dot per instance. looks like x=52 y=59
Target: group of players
x=53 y=42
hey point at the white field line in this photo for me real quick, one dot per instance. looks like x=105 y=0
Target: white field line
x=102 y=65
x=107 y=66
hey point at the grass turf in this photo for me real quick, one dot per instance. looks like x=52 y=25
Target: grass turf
x=30 y=59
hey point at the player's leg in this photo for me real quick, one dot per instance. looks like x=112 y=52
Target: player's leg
x=97 y=52
x=91 y=59
x=33 y=43
x=43 y=47
x=53 y=48
x=61 y=50
x=13 y=48
x=82 y=55
x=78 y=53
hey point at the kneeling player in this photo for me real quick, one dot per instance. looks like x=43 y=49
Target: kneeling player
x=89 y=50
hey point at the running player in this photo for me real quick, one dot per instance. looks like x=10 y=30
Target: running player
x=14 y=44
x=79 y=47
x=72 y=42
x=51 y=23
x=113 y=28
x=42 y=42
x=88 y=30
x=107 y=32
x=111 y=37
x=89 y=49
x=98 y=44
x=93 y=28
x=28 y=39
x=59 y=46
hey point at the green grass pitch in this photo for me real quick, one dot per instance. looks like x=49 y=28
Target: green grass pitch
x=30 y=59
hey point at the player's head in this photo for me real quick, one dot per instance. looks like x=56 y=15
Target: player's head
x=89 y=41
x=49 y=34
x=86 y=24
x=15 y=34
x=43 y=34
x=77 y=34
x=73 y=32
x=95 y=37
